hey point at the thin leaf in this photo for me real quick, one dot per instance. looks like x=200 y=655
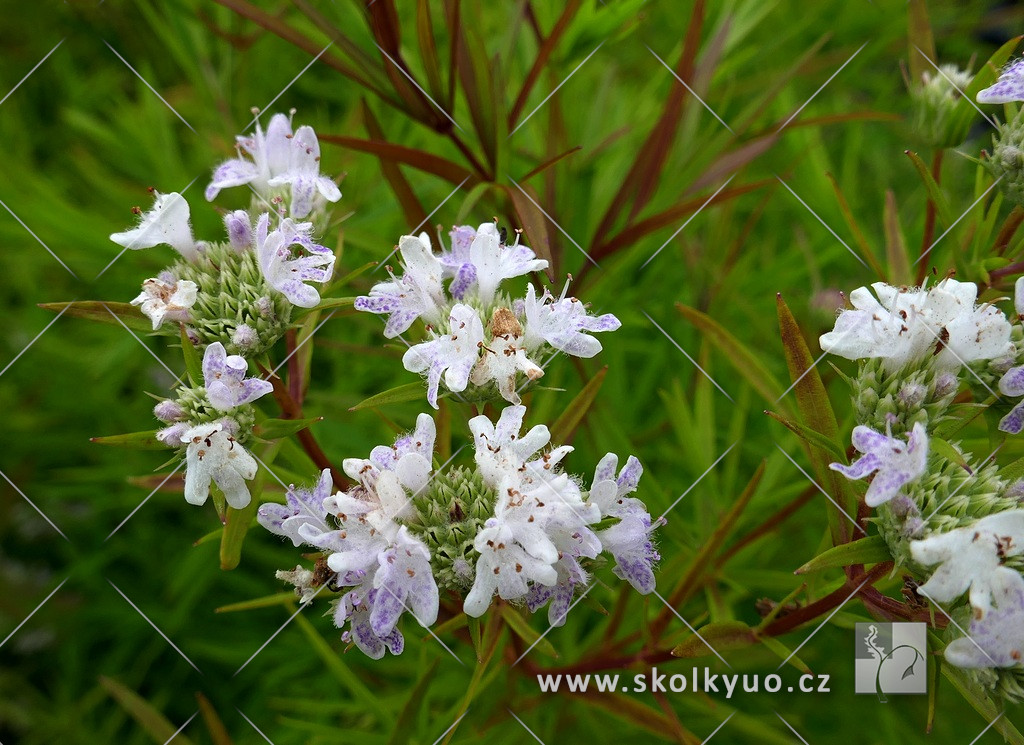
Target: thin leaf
x=193 y=365
x=921 y=41
x=810 y=436
x=406 y=723
x=100 y=310
x=534 y=224
x=870 y=550
x=218 y=732
x=152 y=721
x=540 y=61
x=410 y=203
x=275 y=429
x=569 y=420
x=631 y=710
x=521 y=628
x=419 y=159
x=267 y=601
x=935 y=193
x=398 y=394
x=135 y=440
x=896 y=254
x=550 y=162
x=717 y=637
x=858 y=234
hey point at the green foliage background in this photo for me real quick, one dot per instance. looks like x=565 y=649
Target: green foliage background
x=84 y=139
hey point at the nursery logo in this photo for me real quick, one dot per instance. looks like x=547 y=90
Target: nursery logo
x=890 y=659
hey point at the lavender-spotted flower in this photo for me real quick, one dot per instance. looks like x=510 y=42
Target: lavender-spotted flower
x=563 y=324
x=452 y=353
x=418 y=293
x=996 y=639
x=287 y=272
x=303 y=174
x=1008 y=88
x=227 y=387
x=302 y=507
x=897 y=462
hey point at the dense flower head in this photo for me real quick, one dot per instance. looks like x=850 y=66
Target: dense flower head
x=904 y=326
x=479 y=344
x=386 y=540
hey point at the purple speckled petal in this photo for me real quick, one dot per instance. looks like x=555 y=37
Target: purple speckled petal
x=252 y=389
x=1012 y=382
x=860 y=468
x=866 y=440
x=885 y=486
x=231 y=173
x=214 y=362
x=1013 y=422
x=465 y=276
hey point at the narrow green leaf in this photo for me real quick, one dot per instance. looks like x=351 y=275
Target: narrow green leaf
x=942 y=207
x=152 y=721
x=722 y=636
x=134 y=440
x=947 y=451
x=100 y=310
x=526 y=632
x=327 y=303
x=237 y=524
x=218 y=732
x=816 y=411
x=870 y=550
x=399 y=394
x=568 y=421
x=193 y=365
x=810 y=436
x=896 y=254
x=275 y=429
x=403 y=731
x=858 y=234
x=784 y=653
x=921 y=42
x=268 y=601
x=423 y=161
x=747 y=364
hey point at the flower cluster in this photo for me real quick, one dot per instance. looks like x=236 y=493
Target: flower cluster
x=479 y=342
x=235 y=297
x=515 y=525
x=952 y=521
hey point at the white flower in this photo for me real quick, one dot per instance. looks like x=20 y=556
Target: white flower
x=494 y=262
x=971 y=558
x=1009 y=87
x=287 y=272
x=903 y=326
x=403 y=581
x=302 y=507
x=562 y=323
x=452 y=354
x=214 y=455
x=303 y=174
x=224 y=378
x=505 y=357
x=500 y=452
x=997 y=637
x=165 y=298
x=418 y=293
x=898 y=463
x=167 y=222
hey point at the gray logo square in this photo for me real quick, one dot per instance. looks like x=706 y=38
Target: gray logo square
x=890 y=658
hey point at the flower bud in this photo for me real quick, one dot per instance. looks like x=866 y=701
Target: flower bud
x=934 y=103
x=169 y=411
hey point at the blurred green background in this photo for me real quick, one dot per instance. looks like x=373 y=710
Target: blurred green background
x=86 y=137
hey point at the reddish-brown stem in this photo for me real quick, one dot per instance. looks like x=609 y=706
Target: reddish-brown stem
x=929 y=220
x=768 y=525
x=291 y=409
